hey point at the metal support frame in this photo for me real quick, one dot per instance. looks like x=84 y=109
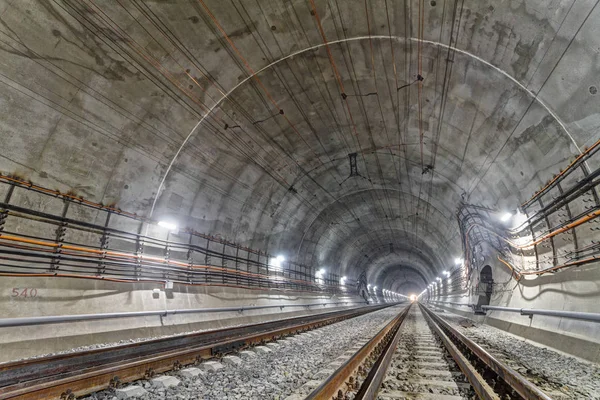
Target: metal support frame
x=60 y=233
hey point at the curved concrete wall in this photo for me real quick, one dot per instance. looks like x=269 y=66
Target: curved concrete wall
x=575 y=289
x=72 y=297
x=243 y=122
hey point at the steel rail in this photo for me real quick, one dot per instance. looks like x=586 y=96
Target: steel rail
x=512 y=378
x=337 y=383
x=481 y=387
x=375 y=377
x=336 y=386
x=67 y=376
x=373 y=381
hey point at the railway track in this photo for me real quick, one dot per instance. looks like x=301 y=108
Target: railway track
x=68 y=376
x=420 y=356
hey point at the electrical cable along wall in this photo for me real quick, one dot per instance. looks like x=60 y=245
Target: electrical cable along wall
x=558 y=227
x=555 y=230
x=51 y=235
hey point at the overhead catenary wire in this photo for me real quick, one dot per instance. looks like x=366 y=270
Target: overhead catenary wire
x=257 y=79
x=449 y=63
x=289 y=186
x=86 y=18
x=342 y=89
x=533 y=101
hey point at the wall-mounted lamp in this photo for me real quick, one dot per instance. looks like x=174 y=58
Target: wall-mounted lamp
x=168 y=225
x=276 y=261
x=506 y=217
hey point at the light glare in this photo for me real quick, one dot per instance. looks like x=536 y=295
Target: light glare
x=506 y=217
x=168 y=225
x=276 y=262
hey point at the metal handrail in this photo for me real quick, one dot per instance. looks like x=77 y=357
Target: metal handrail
x=585 y=316
x=593 y=317
x=56 y=319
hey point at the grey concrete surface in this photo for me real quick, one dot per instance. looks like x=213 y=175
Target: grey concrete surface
x=171 y=109
x=70 y=296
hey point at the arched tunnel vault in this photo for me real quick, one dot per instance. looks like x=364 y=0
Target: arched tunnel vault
x=348 y=229
x=401 y=278
x=242 y=125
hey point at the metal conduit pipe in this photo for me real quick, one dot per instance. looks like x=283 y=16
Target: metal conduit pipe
x=55 y=319
x=587 y=153
x=572 y=193
x=594 y=317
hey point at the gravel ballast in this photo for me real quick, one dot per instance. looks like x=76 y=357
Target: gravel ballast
x=105 y=345
x=275 y=374
x=561 y=376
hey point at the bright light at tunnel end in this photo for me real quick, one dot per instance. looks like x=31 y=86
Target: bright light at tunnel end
x=413 y=297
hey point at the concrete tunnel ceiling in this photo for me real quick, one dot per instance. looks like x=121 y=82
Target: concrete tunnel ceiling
x=238 y=117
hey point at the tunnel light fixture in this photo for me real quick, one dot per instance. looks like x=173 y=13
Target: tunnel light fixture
x=446 y=273
x=168 y=225
x=458 y=261
x=277 y=261
x=439 y=279
x=343 y=280
x=369 y=286
x=506 y=217
x=374 y=288
x=320 y=273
